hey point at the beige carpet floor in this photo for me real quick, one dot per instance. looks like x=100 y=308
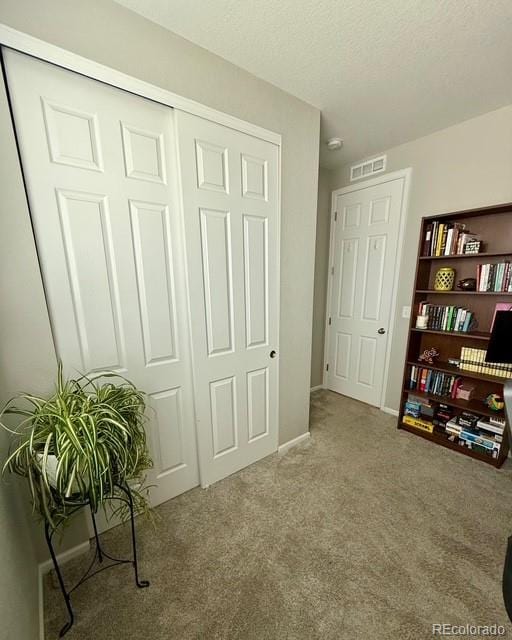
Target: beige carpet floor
x=364 y=533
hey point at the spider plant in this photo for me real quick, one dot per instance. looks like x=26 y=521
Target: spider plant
x=80 y=444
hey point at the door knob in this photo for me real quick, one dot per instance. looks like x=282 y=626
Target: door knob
x=381 y=330
x=273 y=354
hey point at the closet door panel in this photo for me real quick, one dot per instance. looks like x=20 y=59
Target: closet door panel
x=231 y=209
x=101 y=174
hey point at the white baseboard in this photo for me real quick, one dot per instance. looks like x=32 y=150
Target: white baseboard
x=46 y=566
x=40 y=602
x=65 y=556
x=283 y=448
x=318 y=386
x=392 y=412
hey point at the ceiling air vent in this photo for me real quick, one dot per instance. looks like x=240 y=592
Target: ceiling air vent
x=368 y=168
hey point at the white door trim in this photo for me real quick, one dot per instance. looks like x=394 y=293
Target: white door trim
x=387 y=177
x=26 y=43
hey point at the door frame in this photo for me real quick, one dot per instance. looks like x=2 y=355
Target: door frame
x=406 y=174
x=47 y=52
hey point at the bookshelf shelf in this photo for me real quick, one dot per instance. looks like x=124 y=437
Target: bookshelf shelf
x=464 y=293
x=493 y=227
x=444 y=442
x=474 y=405
x=446 y=367
x=472 y=335
x=458 y=256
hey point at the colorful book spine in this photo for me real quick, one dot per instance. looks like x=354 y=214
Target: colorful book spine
x=446 y=317
x=494 y=277
x=487 y=443
x=418 y=423
x=475 y=360
x=427 y=242
x=445 y=239
x=436 y=383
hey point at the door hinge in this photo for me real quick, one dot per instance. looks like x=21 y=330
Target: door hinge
x=329 y=321
x=335 y=216
x=332 y=271
x=327 y=367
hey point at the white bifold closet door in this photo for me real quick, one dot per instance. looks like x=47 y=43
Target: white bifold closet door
x=100 y=169
x=231 y=210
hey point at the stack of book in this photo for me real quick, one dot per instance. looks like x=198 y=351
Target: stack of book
x=474 y=360
x=419 y=407
x=466 y=429
x=446 y=239
x=446 y=318
x=494 y=277
x=476 y=433
x=418 y=413
x=434 y=382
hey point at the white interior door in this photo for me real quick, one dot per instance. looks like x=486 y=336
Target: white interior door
x=101 y=176
x=231 y=209
x=363 y=253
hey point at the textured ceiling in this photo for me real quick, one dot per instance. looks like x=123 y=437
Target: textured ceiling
x=382 y=71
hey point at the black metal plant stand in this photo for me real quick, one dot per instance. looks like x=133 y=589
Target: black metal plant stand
x=98 y=558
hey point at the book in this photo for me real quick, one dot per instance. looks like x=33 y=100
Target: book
x=487 y=443
x=473 y=437
x=418 y=423
x=425 y=404
x=472 y=359
x=412 y=409
x=439 y=240
x=466 y=323
x=448 y=250
x=452 y=426
x=433 y=237
x=486 y=425
x=434 y=382
x=447 y=317
x=445 y=239
x=423 y=379
x=494 y=277
x=442 y=415
x=428 y=240
x=467 y=420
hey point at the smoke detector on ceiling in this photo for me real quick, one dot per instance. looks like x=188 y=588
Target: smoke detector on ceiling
x=333 y=144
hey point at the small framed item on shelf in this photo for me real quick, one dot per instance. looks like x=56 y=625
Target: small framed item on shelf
x=465 y=391
x=472 y=246
x=445 y=386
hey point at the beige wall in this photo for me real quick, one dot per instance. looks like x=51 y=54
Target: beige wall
x=26 y=358
x=321 y=262
x=18 y=577
x=110 y=34
x=467 y=165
